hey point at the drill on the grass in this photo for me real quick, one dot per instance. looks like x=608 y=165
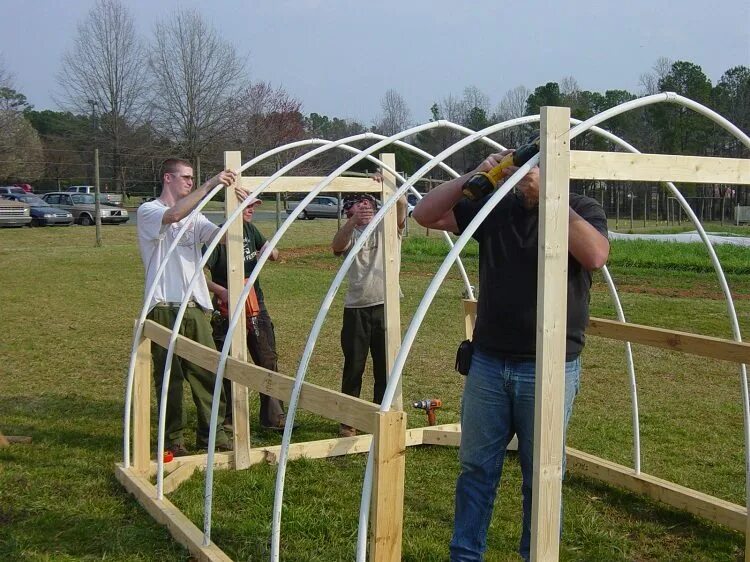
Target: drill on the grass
x=429 y=405
x=483 y=183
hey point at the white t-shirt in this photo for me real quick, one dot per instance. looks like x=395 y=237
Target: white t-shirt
x=154 y=239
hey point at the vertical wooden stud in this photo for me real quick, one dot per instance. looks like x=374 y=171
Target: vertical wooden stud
x=142 y=408
x=552 y=297
x=389 y=464
x=235 y=281
x=391 y=267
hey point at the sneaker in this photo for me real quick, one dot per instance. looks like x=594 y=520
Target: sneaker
x=177 y=450
x=347 y=431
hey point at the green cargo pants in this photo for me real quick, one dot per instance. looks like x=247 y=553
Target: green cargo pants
x=195 y=325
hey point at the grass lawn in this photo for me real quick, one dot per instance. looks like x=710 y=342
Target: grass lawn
x=67 y=319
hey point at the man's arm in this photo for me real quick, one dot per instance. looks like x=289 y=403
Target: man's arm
x=221 y=292
x=585 y=243
x=182 y=208
x=274 y=253
x=435 y=210
x=343 y=238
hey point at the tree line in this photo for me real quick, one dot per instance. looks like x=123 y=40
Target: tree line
x=186 y=93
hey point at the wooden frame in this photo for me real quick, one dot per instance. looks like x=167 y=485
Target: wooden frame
x=388 y=429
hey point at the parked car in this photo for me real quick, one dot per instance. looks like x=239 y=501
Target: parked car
x=26 y=187
x=321 y=206
x=9 y=189
x=42 y=213
x=110 y=198
x=14 y=213
x=82 y=206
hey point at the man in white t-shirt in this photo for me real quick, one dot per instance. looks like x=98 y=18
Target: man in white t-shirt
x=159 y=221
x=363 y=329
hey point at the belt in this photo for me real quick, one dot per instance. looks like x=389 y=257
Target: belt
x=191 y=304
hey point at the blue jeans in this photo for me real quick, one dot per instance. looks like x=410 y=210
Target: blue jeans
x=498 y=402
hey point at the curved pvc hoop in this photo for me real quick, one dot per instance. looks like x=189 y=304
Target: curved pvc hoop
x=160 y=271
x=394 y=376
x=234 y=318
x=152 y=289
x=139 y=325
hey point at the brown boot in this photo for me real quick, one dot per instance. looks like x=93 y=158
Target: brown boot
x=347 y=431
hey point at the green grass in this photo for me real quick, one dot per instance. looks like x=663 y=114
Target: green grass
x=67 y=319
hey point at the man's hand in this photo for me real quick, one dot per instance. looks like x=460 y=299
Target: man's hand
x=225 y=177
x=241 y=193
x=491 y=161
x=221 y=293
x=362 y=214
x=528 y=185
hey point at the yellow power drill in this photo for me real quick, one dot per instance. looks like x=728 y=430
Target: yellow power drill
x=482 y=184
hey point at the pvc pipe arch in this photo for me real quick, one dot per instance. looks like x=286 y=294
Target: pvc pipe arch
x=408 y=339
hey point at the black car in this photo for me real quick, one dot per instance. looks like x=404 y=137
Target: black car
x=42 y=213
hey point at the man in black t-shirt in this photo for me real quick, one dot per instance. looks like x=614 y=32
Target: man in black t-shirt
x=261 y=339
x=498 y=399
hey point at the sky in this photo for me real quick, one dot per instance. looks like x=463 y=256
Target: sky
x=340 y=57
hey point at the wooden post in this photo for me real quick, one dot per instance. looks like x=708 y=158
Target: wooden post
x=550 y=337
x=142 y=408
x=470 y=317
x=389 y=463
x=391 y=267
x=235 y=282
x=97 y=203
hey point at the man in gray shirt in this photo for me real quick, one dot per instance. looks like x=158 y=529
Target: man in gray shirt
x=363 y=330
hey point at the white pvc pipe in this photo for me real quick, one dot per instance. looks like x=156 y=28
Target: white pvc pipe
x=408 y=339
x=268 y=248
x=160 y=271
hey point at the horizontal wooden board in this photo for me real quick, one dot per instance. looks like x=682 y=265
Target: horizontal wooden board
x=694 y=344
x=657 y=167
x=305 y=184
x=325 y=402
x=165 y=513
x=720 y=511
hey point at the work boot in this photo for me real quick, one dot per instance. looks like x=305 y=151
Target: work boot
x=347 y=431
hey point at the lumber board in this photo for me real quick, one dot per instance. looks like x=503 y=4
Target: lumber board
x=389 y=464
x=305 y=184
x=714 y=509
x=673 y=340
x=328 y=403
x=658 y=167
x=165 y=513
x=235 y=276
x=551 y=314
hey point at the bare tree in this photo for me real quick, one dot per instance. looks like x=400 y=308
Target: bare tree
x=6 y=78
x=396 y=116
x=198 y=79
x=512 y=106
x=267 y=117
x=475 y=98
x=649 y=81
x=104 y=74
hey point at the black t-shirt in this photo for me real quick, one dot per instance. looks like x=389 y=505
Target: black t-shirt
x=252 y=242
x=508 y=250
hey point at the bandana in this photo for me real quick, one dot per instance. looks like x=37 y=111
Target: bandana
x=351 y=200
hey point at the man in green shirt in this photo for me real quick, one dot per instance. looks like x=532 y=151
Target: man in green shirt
x=261 y=339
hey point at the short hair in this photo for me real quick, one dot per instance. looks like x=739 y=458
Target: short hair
x=170 y=165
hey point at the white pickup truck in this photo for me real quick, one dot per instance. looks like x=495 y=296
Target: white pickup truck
x=105 y=197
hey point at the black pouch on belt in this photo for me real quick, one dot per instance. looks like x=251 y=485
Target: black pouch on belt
x=463 y=357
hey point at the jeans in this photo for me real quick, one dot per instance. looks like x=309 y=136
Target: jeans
x=498 y=402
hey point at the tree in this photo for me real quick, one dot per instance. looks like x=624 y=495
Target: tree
x=20 y=147
x=649 y=81
x=104 y=73
x=731 y=98
x=549 y=94
x=268 y=118
x=395 y=115
x=512 y=106
x=197 y=80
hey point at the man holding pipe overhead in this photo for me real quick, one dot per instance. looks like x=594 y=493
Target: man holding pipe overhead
x=498 y=398
x=363 y=329
x=159 y=221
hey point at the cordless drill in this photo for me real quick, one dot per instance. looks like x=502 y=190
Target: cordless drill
x=482 y=184
x=429 y=405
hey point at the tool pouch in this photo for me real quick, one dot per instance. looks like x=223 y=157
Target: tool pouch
x=463 y=357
